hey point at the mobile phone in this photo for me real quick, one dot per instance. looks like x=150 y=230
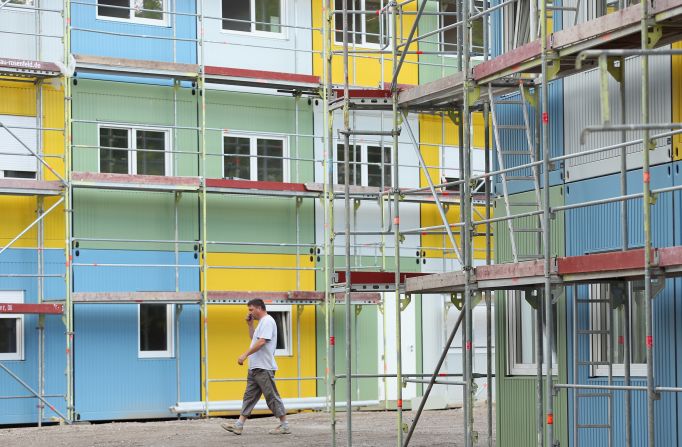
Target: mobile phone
x=249 y=318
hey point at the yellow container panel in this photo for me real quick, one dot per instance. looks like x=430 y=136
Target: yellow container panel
x=20 y=99
x=228 y=333
x=676 y=63
x=366 y=70
x=435 y=130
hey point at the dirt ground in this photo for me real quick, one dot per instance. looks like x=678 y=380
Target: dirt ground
x=436 y=428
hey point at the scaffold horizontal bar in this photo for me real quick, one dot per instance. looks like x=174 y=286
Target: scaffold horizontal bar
x=25 y=187
x=26 y=67
x=138 y=182
x=15 y=308
x=261 y=78
x=136 y=297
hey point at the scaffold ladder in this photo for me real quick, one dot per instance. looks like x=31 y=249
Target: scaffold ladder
x=525 y=99
x=600 y=340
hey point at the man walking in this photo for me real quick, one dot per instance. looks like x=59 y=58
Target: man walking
x=262 y=367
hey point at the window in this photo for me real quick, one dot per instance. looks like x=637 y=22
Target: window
x=142 y=11
x=363 y=29
x=253 y=16
x=11 y=328
x=155 y=330
x=369 y=165
x=15 y=160
x=612 y=322
x=513 y=14
x=282 y=316
x=21 y=2
x=449 y=37
x=521 y=322
x=137 y=151
x=479 y=187
x=255 y=158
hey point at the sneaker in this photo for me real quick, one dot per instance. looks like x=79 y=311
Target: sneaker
x=232 y=427
x=280 y=430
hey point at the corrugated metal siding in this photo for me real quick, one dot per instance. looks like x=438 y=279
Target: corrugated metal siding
x=515 y=140
x=130 y=104
x=24 y=411
x=17 y=23
x=515 y=397
x=525 y=243
x=111 y=382
x=116 y=38
x=583 y=109
x=597 y=229
x=677 y=240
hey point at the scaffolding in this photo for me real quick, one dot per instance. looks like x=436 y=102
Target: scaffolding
x=529 y=64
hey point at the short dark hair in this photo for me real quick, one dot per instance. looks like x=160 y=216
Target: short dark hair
x=256 y=302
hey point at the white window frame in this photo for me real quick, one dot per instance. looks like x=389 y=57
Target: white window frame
x=254 y=32
x=449 y=163
x=253 y=151
x=16 y=297
x=132 y=146
x=441 y=40
x=363 y=30
x=618 y=369
x=28 y=6
x=170 y=335
x=515 y=368
x=364 y=163
x=25 y=128
x=288 y=338
x=132 y=18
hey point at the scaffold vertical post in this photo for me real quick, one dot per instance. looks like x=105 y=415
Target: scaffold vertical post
x=646 y=216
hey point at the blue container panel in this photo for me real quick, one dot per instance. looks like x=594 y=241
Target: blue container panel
x=25 y=411
x=122 y=39
x=138 y=278
x=111 y=382
x=516 y=140
x=677 y=180
x=596 y=229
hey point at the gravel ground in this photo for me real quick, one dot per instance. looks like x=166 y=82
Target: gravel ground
x=436 y=428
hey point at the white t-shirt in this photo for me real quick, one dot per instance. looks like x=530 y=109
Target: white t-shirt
x=264 y=358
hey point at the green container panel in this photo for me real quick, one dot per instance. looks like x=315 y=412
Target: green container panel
x=253 y=114
x=107 y=214
x=515 y=399
x=263 y=220
x=105 y=102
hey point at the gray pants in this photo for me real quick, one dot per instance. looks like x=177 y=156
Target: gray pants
x=262 y=381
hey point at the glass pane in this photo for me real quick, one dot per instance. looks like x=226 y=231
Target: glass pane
x=638 y=325
x=151 y=152
x=449 y=38
x=270 y=161
x=281 y=321
x=153 y=9
x=113 y=153
x=268 y=16
x=239 y=10
x=8 y=335
x=354 y=30
x=373 y=29
x=525 y=322
x=355 y=164
x=114 y=12
x=153 y=327
x=237 y=161
x=375 y=166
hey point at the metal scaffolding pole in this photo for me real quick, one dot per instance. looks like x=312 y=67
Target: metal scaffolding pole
x=347 y=251
x=468 y=231
x=646 y=216
x=68 y=217
x=396 y=210
x=546 y=230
